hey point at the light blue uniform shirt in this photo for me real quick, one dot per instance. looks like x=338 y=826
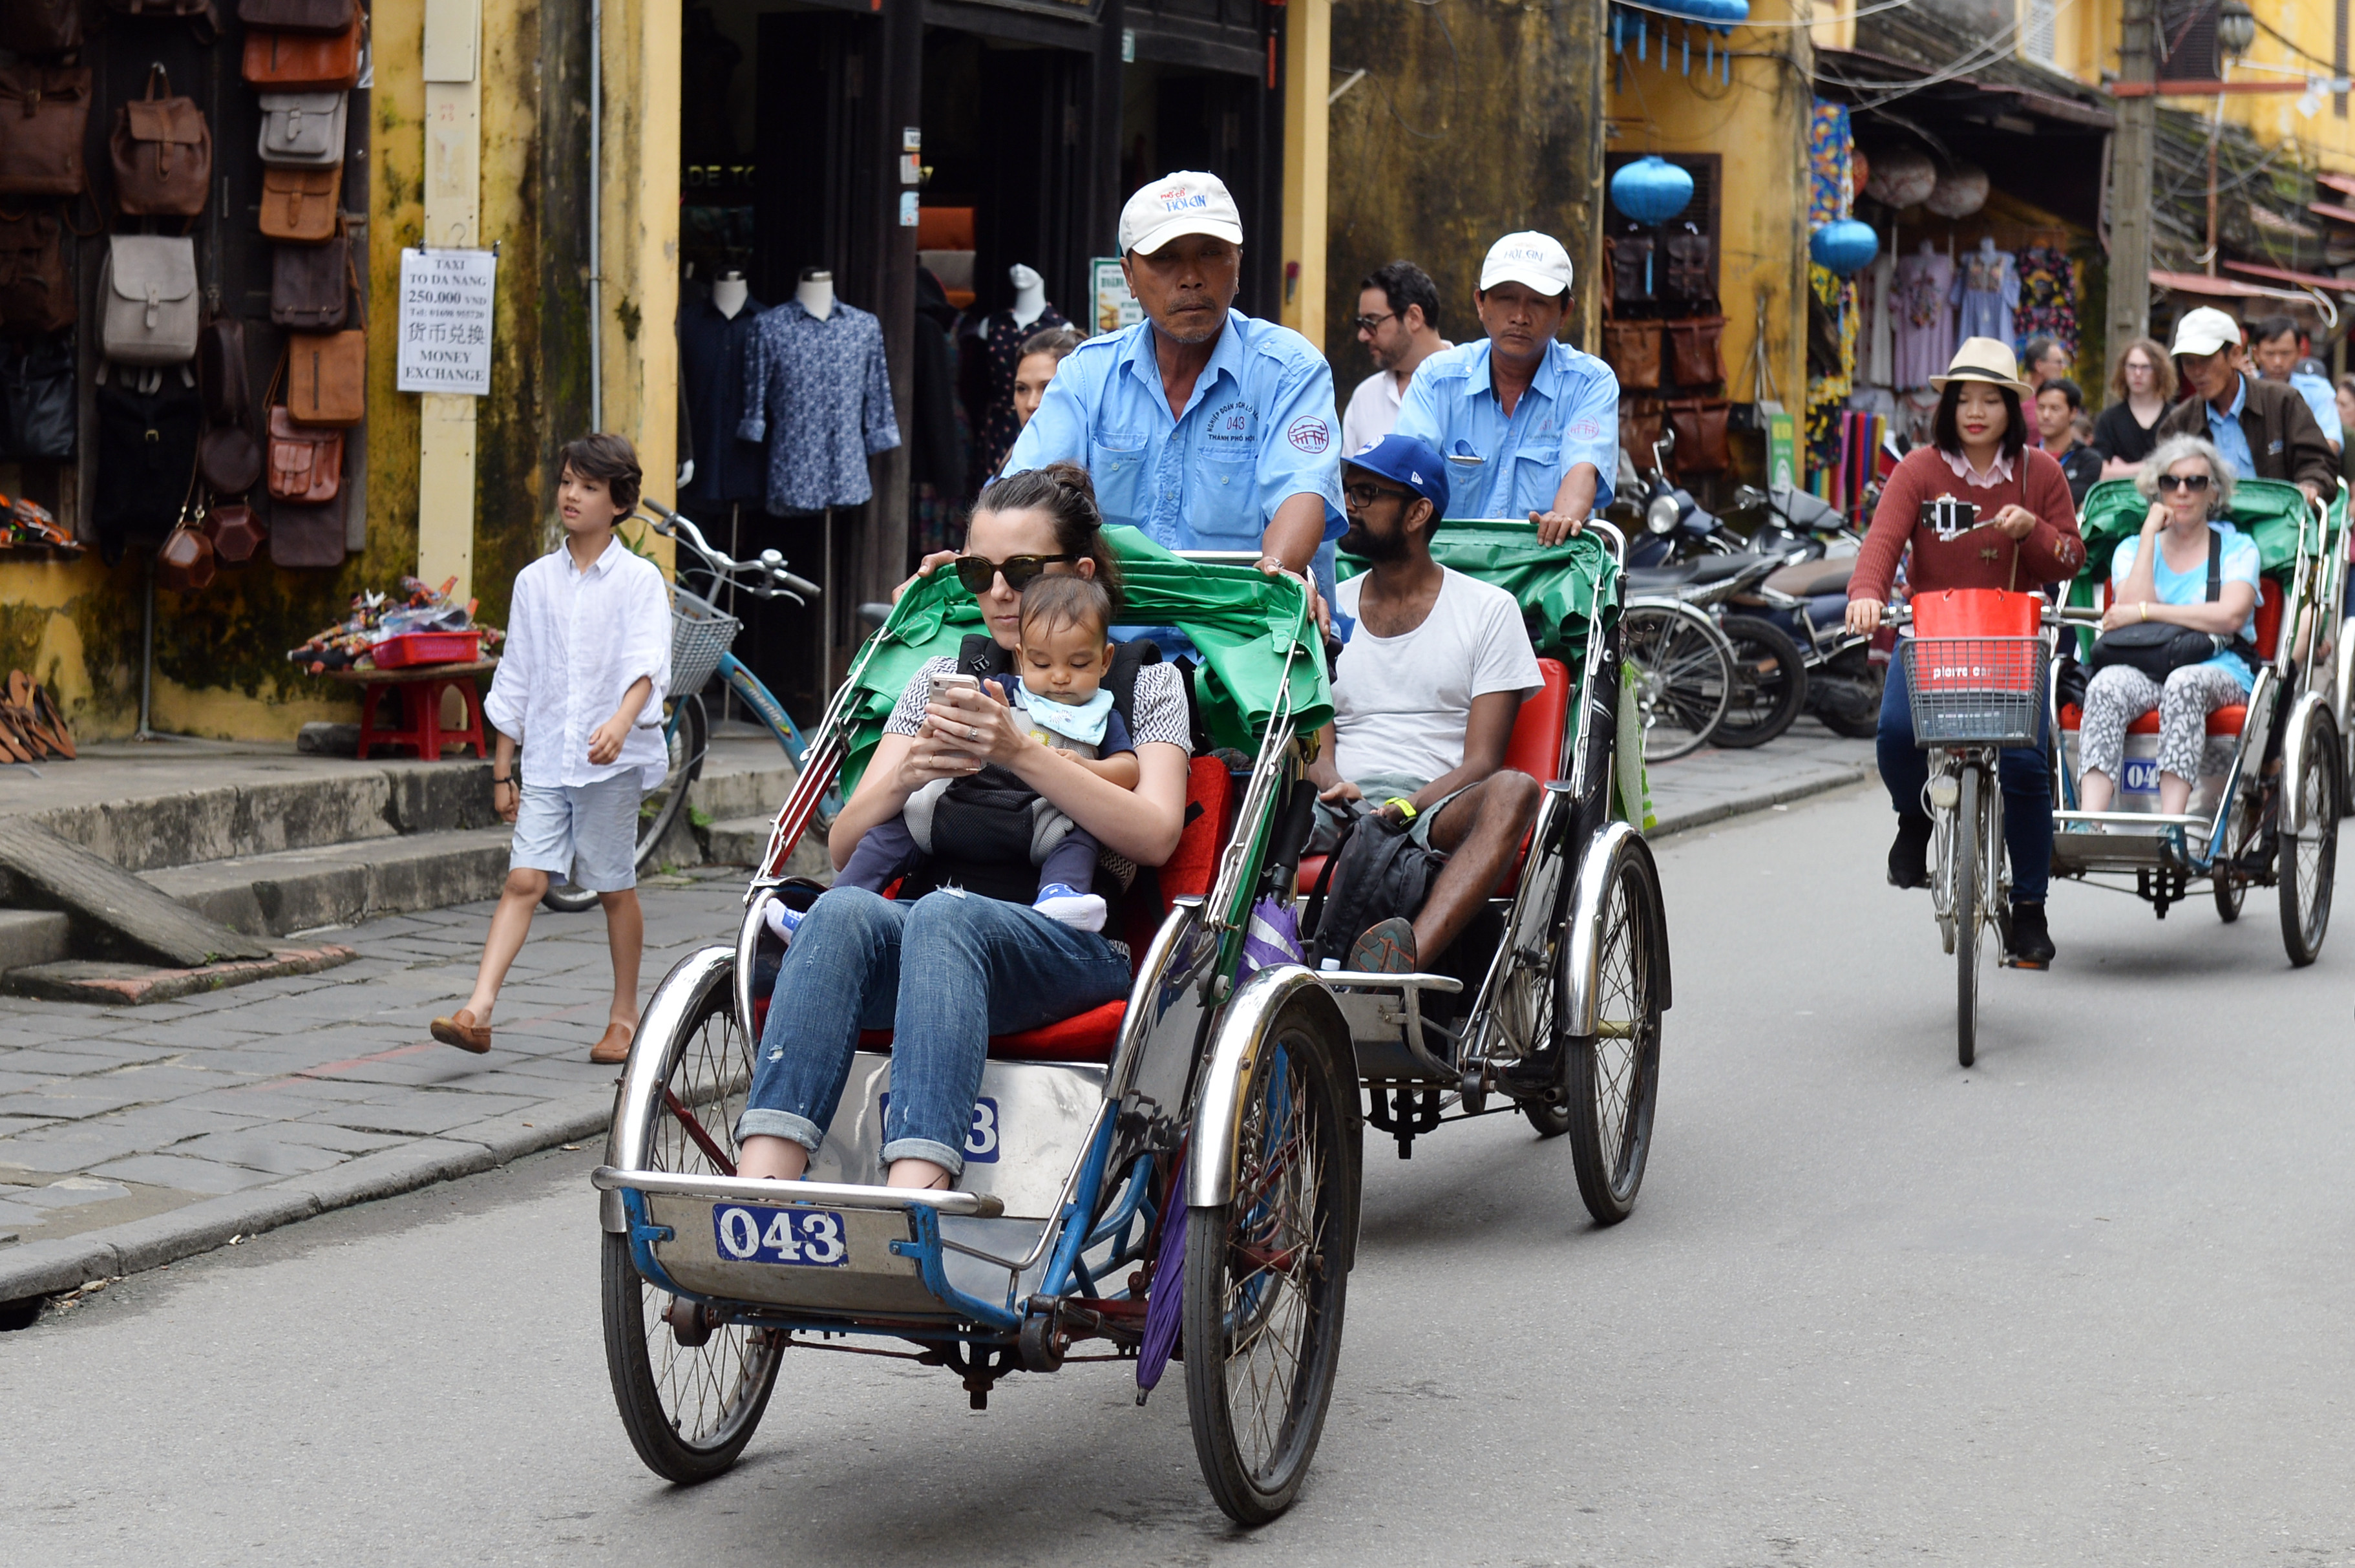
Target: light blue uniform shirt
x=1509 y=467
x=2323 y=398
x=2225 y=430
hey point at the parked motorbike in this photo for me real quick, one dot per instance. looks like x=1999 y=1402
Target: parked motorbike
x=1806 y=598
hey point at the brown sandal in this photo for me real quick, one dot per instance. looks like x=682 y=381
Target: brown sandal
x=11 y=745
x=612 y=1046
x=461 y=1030
x=52 y=720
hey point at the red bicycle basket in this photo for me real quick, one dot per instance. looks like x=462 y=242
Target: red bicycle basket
x=1975 y=667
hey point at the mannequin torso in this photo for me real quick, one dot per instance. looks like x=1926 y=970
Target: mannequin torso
x=1029 y=294
x=729 y=293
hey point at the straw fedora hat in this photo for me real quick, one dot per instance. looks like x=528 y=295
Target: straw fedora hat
x=1983 y=360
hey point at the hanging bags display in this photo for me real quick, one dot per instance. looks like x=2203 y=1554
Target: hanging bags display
x=40 y=27
x=307 y=287
x=279 y=61
x=299 y=205
x=35 y=295
x=147 y=292
x=299 y=16
x=326 y=373
x=306 y=462
x=302 y=130
x=44 y=117
x=146 y=455
x=1693 y=351
x=162 y=152
x=37 y=399
x=1633 y=350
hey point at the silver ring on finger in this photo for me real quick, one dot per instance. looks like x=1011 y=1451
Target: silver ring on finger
x=971 y=734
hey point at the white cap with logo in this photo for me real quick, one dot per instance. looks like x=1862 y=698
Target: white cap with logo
x=1186 y=202
x=1528 y=257
x=2203 y=331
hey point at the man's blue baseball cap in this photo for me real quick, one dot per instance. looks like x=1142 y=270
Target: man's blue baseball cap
x=1412 y=462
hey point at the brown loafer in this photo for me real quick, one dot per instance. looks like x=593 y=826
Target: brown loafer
x=461 y=1030
x=612 y=1048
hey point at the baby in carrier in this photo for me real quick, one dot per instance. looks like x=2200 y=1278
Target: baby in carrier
x=1062 y=661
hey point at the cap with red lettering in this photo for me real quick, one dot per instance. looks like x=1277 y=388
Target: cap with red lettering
x=1187 y=202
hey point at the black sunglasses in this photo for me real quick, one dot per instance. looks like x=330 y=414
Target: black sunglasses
x=1368 y=322
x=979 y=572
x=2195 y=483
x=1362 y=495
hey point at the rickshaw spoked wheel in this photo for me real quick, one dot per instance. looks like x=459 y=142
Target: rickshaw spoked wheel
x=691 y=1385
x=2229 y=891
x=2309 y=860
x=1266 y=1275
x=1614 y=1072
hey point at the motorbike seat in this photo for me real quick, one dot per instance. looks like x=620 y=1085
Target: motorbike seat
x=1807 y=578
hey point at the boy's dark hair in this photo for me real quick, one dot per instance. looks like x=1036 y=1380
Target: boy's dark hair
x=2067 y=388
x=1403 y=283
x=1055 y=602
x=606 y=457
x=2269 y=327
x=1946 y=432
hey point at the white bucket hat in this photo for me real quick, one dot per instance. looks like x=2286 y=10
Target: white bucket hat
x=1187 y=202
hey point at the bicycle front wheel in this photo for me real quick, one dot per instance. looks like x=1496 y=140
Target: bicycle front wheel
x=1966 y=919
x=1684 y=676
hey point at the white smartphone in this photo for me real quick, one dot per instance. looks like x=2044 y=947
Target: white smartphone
x=947 y=680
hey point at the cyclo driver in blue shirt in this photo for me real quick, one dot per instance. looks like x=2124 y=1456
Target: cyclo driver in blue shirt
x=1528 y=425
x=1202 y=427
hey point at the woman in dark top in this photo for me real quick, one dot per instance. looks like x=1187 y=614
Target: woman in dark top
x=2144 y=384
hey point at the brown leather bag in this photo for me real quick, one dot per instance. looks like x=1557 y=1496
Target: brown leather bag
x=235 y=530
x=306 y=462
x=299 y=205
x=1631 y=349
x=307 y=536
x=298 y=16
x=228 y=460
x=1693 y=357
x=221 y=373
x=43 y=115
x=1700 y=424
x=162 y=152
x=326 y=373
x=34 y=295
x=184 y=562
x=40 y=27
x=1631 y=270
x=307 y=285
x=1688 y=271
x=281 y=61
x=1640 y=422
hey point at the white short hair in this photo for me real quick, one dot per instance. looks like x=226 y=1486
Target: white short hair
x=2174 y=450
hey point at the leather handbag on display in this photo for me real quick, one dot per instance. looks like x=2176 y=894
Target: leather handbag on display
x=1633 y=350
x=228 y=460
x=40 y=27
x=303 y=536
x=299 y=205
x=1631 y=269
x=184 y=562
x=1693 y=351
x=298 y=16
x=35 y=294
x=307 y=287
x=162 y=152
x=306 y=462
x=37 y=399
x=147 y=299
x=302 y=130
x=222 y=372
x=146 y=455
x=44 y=116
x=326 y=373
x=1640 y=422
x=1686 y=277
x=235 y=530
x=1700 y=424
x=279 y=61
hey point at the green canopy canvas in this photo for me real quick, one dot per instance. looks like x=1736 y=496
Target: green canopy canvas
x=1558 y=586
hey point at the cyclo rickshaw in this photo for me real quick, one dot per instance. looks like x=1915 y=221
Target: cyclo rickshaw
x=1176 y=1172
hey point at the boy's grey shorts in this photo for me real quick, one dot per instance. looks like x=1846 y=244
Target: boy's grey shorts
x=588 y=832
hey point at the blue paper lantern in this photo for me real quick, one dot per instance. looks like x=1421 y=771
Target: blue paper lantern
x=1713 y=13
x=1651 y=189
x=1844 y=247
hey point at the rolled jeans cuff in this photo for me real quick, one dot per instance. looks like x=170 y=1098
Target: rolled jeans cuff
x=756 y=1123
x=949 y=1159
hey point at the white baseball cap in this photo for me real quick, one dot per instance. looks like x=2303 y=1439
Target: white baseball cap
x=1528 y=257
x=1187 y=202
x=2204 y=331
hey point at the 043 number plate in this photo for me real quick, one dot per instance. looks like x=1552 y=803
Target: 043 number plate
x=810 y=1238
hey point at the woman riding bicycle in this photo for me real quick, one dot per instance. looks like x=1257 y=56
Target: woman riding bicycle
x=2024 y=534
x=2163 y=576
x=950 y=970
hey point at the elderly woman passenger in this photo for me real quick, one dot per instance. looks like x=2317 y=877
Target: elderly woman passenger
x=2162 y=575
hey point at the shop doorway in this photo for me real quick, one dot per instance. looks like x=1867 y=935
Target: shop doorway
x=1183 y=117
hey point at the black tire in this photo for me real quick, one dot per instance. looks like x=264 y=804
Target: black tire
x=689 y=1409
x=1770 y=683
x=1683 y=676
x=1966 y=920
x=2308 y=861
x=1845 y=695
x=1614 y=1072
x=2230 y=892
x=1270 y=1267
x=660 y=809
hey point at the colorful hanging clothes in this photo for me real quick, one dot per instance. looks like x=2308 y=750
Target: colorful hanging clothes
x=1877 y=360
x=1984 y=293
x=1922 y=326
x=1830 y=149
x=2048 y=297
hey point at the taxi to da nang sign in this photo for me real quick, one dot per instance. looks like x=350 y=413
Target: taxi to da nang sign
x=445 y=321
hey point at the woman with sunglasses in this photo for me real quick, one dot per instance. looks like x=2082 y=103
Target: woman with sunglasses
x=953 y=968
x=2162 y=575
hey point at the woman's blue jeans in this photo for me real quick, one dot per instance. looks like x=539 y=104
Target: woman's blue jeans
x=2021 y=771
x=944 y=973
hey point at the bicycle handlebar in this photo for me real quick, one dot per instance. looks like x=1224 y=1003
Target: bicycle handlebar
x=2054 y=616
x=772 y=579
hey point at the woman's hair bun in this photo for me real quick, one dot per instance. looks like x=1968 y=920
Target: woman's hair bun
x=1075 y=476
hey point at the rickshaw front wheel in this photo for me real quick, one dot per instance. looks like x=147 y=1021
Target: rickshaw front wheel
x=1614 y=1072
x=2308 y=859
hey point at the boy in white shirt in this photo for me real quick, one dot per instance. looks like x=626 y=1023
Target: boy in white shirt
x=579 y=687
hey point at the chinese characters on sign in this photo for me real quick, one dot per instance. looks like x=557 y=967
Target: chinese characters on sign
x=445 y=321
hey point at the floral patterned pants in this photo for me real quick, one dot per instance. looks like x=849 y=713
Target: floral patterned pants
x=2121 y=694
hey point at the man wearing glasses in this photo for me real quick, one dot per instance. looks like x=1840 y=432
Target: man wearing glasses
x=1398 y=320
x=1203 y=427
x=1425 y=696
x=1529 y=426
x=2264 y=428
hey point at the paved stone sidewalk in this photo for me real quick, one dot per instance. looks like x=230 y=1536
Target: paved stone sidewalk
x=1710 y=785
x=132 y=1135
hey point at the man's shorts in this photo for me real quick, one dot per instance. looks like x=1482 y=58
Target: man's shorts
x=1378 y=789
x=588 y=832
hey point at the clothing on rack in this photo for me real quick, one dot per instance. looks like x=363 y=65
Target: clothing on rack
x=1923 y=327
x=711 y=349
x=2048 y=297
x=817 y=393
x=1877 y=356
x=1985 y=293
x=994 y=345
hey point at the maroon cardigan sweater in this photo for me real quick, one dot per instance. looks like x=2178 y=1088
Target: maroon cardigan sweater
x=1984 y=558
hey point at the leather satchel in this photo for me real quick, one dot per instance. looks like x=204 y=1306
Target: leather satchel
x=37 y=399
x=1700 y=424
x=282 y=61
x=307 y=463
x=40 y=27
x=1633 y=351
x=299 y=205
x=1687 y=279
x=326 y=373
x=162 y=152
x=307 y=537
x=298 y=16
x=222 y=372
x=1640 y=422
x=1693 y=351
x=228 y=460
x=235 y=530
x=302 y=130
x=1631 y=270
x=307 y=287
x=147 y=299
x=146 y=457
x=34 y=295
x=43 y=115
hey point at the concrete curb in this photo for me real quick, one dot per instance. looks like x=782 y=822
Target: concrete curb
x=129 y=985
x=47 y=1267
x=1829 y=779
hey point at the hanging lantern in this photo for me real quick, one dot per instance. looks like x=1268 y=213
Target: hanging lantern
x=2236 y=27
x=1844 y=247
x=1902 y=176
x=1859 y=172
x=1651 y=189
x=1960 y=191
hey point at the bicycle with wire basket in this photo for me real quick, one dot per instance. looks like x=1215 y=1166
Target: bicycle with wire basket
x=701 y=635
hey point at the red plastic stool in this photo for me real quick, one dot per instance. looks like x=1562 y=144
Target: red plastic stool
x=420 y=691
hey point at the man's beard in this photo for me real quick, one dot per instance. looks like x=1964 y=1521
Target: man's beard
x=1367 y=545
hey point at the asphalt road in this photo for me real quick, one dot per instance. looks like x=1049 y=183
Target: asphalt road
x=2087 y=1303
